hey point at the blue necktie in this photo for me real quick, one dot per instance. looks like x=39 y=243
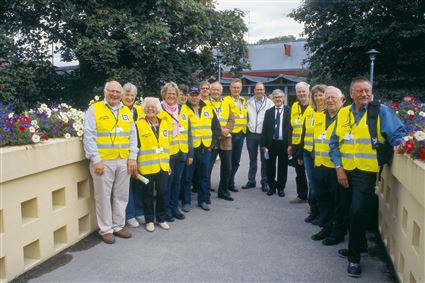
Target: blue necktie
x=277 y=124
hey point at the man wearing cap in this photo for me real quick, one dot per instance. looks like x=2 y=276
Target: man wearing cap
x=205 y=132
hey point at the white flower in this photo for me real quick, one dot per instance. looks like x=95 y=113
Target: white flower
x=31 y=111
x=91 y=102
x=396 y=112
x=419 y=136
x=54 y=109
x=410 y=112
x=11 y=115
x=67 y=136
x=34 y=123
x=65 y=119
x=97 y=98
x=35 y=138
x=80 y=133
x=422 y=113
x=31 y=129
x=64 y=105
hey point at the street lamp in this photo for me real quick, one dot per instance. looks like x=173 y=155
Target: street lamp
x=219 y=55
x=372 y=55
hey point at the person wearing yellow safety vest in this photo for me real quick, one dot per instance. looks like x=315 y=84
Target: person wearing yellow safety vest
x=240 y=112
x=299 y=111
x=134 y=213
x=327 y=189
x=205 y=132
x=224 y=145
x=110 y=142
x=356 y=161
x=318 y=103
x=154 y=162
x=181 y=148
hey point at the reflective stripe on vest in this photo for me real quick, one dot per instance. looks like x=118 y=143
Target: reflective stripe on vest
x=201 y=127
x=113 y=134
x=297 y=121
x=309 y=129
x=179 y=142
x=221 y=109
x=321 y=142
x=241 y=115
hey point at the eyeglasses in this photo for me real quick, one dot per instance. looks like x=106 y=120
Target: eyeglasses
x=333 y=98
x=113 y=91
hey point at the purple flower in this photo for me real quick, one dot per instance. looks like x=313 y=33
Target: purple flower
x=6 y=129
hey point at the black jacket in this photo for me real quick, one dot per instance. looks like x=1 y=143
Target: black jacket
x=268 y=126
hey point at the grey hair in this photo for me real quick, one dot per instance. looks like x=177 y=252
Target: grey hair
x=107 y=84
x=338 y=91
x=359 y=79
x=217 y=83
x=260 y=83
x=276 y=91
x=129 y=87
x=167 y=86
x=154 y=100
x=302 y=85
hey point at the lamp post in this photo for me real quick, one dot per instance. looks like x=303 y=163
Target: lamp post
x=219 y=55
x=372 y=55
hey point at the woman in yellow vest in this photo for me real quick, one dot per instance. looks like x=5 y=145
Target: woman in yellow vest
x=318 y=103
x=205 y=132
x=154 y=161
x=325 y=180
x=134 y=213
x=181 y=147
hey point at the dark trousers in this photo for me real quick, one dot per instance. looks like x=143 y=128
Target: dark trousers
x=157 y=182
x=253 y=144
x=197 y=175
x=311 y=196
x=278 y=149
x=301 y=181
x=363 y=194
x=135 y=204
x=225 y=168
x=326 y=185
x=237 y=145
x=177 y=165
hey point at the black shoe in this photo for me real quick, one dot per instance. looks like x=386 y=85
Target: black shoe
x=249 y=186
x=330 y=241
x=271 y=192
x=169 y=218
x=225 y=197
x=315 y=221
x=264 y=188
x=204 y=206
x=281 y=193
x=310 y=218
x=212 y=190
x=343 y=253
x=321 y=235
x=354 y=269
x=233 y=189
x=208 y=201
x=177 y=214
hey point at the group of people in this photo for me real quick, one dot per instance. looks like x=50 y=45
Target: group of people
x=146 y=160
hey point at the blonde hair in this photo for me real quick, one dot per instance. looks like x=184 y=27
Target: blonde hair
x=167 y=86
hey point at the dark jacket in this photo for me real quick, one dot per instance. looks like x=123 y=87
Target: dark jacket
x=268 y=126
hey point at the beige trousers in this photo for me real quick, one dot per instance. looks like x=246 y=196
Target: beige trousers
x=111 y=195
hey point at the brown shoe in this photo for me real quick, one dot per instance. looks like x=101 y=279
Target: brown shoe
x=123 y=234
x=296 y=200
x=108 y=238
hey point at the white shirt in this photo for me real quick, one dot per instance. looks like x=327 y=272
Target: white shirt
x=281 y=120
x=256 y=114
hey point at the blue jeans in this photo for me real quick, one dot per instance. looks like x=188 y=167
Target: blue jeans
x=135 y=200
x=198 y=175
x=177 y=164
x=309 y=165
x=237 y=145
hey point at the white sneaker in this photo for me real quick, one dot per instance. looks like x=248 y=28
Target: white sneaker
x=150 y=227
x=141 y=219
x=164 y=225
x=132 y=222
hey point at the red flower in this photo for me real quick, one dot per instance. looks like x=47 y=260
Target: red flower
x=407 y=98
x=413 y=100
x=422 y=155
x=45 y=138
x=416 y=108
x=21 y=128
x=395 y=105
x=26 y=120
x=409 y=146
x=19 y=120
x=411 y=116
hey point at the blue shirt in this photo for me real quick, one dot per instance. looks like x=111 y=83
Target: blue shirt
x=391 y=126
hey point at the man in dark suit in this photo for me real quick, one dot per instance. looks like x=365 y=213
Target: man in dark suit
x=274 y=141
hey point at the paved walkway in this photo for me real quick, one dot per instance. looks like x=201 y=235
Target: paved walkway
x=256 y=238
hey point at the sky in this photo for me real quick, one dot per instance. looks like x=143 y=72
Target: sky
x=265 y=19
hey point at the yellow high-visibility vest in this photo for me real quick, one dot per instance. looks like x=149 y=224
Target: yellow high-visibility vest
x=354 y=142
x=113 y=134
x=201 y=127
x=140 y=112
x=181 y=141
x=297 y=121
x=322 y=136
x=221 y=109
x=241 y=114
x=154 y=153
x=309 y=130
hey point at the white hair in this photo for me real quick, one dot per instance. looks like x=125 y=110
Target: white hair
x=155 y=100
x=276 y=91
x=129 y=87
x=302 y=85
x=337 y=90
x=218 y=84
x=107 y=84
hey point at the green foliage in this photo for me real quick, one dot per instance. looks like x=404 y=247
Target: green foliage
x=340 y=32
x=145 y=42
x=277 y=39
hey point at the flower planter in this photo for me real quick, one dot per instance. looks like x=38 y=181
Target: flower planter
x=402 y=216
x=47 y=203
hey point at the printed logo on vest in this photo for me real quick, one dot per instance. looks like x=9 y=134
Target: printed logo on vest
x=125 y=117
x=206 y=114
x=184 y=117
x=165 y=133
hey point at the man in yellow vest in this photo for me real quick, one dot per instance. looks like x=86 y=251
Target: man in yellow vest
x=240 y=112
x=356 y=161
x=110 y=142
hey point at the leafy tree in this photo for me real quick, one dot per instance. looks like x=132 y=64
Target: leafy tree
x=145 y=42
x=339 y=32
x=277 y=39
